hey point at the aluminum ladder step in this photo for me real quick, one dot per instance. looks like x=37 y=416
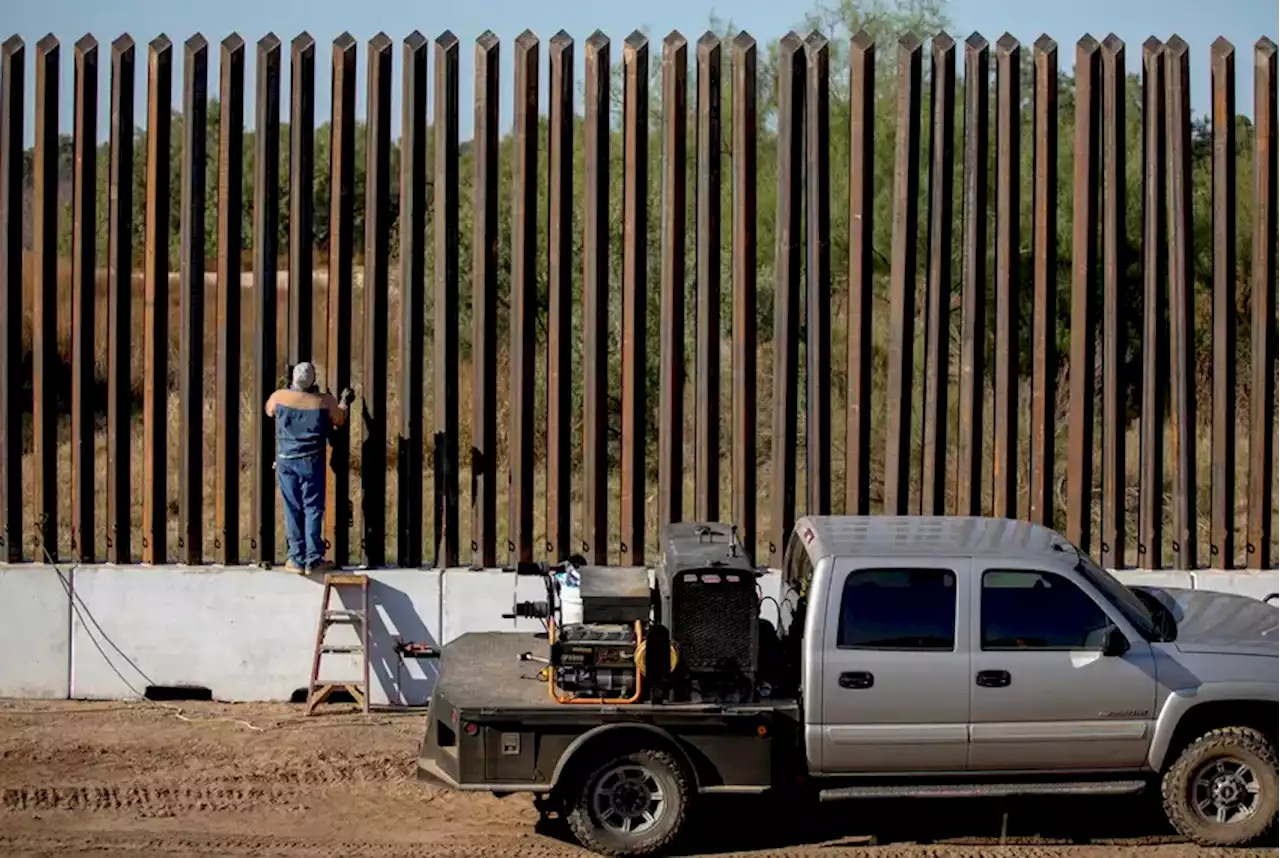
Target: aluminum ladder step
x=341 y=649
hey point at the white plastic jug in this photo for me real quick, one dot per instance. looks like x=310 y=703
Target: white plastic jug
x=570 y=596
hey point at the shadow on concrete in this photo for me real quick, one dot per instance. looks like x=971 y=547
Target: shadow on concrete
x=406 y=681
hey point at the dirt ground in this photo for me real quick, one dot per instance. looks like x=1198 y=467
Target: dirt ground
x=262 y=780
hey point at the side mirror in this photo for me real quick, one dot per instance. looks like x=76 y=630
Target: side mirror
x=1114 y=643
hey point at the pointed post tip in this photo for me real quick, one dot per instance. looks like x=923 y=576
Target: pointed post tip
x=527 y=39
x=815 y=42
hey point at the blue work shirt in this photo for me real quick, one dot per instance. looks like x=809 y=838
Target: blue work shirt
x=303 y=420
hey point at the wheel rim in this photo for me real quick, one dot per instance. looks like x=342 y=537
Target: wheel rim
x=628 y=800
x=1225 y=791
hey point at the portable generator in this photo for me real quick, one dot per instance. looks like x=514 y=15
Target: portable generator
x=603 y=658
x=595 y=661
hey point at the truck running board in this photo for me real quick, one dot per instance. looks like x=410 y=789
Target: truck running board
x=985 y=790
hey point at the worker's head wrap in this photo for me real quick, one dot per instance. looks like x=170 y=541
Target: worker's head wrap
x=304 y=376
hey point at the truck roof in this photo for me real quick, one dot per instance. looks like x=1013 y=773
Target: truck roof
x=956 y=536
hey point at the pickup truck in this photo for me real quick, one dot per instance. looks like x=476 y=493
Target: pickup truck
x=904 y=657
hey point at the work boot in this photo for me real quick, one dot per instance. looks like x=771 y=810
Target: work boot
x=295 y=567
x=322 y=568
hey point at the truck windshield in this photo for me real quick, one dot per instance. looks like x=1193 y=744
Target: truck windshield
x=1125 y=600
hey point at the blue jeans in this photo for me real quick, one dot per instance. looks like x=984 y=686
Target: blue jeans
x=302 y=489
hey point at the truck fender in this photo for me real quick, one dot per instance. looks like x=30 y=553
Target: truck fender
x=1182 y=700
x=605 y=732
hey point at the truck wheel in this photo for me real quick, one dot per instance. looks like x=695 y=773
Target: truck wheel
x=632 y=805
x=1222 y=789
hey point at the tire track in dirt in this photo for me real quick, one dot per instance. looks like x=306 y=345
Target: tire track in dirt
x=191 y=843
x=78 y=779
x=147 y=801
x=520 y=845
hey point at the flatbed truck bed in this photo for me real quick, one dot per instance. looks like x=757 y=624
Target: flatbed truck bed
x=494 y=727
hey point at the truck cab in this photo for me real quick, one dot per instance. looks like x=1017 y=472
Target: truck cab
x=991 y=655
x=982 y=648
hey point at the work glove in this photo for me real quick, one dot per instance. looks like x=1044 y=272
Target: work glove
x=347 y=397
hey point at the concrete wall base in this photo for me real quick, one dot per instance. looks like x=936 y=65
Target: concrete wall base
x=246 y=634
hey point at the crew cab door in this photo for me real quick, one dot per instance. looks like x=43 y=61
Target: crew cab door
x=895 y=666
x=1044 y=697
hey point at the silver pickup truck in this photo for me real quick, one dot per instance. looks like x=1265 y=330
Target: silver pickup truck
x=905 y=657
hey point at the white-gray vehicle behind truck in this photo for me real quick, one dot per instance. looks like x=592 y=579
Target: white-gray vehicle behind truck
x=911 y=657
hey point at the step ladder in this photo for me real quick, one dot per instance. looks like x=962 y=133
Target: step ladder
x=318 y=690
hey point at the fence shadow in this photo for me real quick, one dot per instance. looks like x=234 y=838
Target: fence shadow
x=406 y=681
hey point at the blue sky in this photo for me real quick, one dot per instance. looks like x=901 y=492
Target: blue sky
x=1199 y=22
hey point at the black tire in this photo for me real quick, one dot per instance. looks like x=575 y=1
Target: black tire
x=601 y=832
x=1233 y=747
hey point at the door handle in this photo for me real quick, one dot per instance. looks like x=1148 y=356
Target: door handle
x=994 y=678
x=857 y=679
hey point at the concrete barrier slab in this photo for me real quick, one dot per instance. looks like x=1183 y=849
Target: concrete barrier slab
x=243 y=633
x=1258 y=584
x=475 y=600
x=1154 y=578
x=406 y=605
x=35 y=629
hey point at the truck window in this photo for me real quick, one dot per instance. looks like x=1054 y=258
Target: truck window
x=898 y=609
x=1022 y=609
x=797 y=568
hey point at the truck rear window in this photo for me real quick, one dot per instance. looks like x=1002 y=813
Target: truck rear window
x=898 y=609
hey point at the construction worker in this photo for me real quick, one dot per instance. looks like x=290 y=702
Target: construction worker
x=304 y=417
